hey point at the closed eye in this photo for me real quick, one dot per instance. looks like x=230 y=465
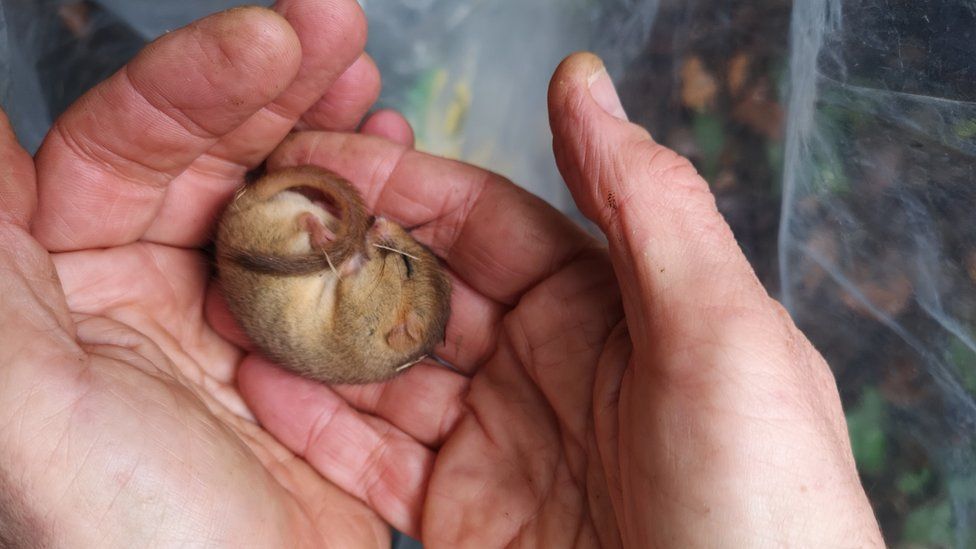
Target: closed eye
x=387 y=248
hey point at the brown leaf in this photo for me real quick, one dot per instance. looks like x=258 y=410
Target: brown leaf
x=698 y=87
x=738 y=72
x=901 y=384
x=823 y=244
x=75 y=17
x=971 y=265
x=759 y=111
x=890 y=295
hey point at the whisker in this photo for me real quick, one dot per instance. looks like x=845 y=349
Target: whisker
x=401 y=252
x=409 y=364
x=331 y=266
x=240 y=192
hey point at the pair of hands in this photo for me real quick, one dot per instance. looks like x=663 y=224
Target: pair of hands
x=649 y=394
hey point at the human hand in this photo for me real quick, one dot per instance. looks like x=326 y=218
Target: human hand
x=120 y=422
x=650 y=394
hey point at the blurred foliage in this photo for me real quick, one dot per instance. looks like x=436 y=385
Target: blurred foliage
x=714 y=86
x=929 y=525
x=913 y=482
x=710 y=137
x=866 y=424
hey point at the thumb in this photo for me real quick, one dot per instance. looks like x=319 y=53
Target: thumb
x=673 y=252
x=727 y=367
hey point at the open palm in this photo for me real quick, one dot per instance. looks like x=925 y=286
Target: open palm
x=120 y=420
x=645 y=394
x=648 y=393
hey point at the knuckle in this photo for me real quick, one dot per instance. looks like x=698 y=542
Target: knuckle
x=668 y=168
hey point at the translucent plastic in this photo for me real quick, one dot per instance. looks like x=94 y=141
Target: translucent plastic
x=839 y=136
x=878 y=242
x=472 y=75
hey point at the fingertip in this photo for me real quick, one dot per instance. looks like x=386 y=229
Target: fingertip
x=285 y=404
x=269 y=56
x=263 y=383
x=253 y=373
x=581 y=88
x=331 y=27
x=342 y=107
x=222 y=321
x=331 y=35
x=17 y=194
x=572 y=74
x=270 y=36
x=6 y=129
x=389 y=124
x=317 y=424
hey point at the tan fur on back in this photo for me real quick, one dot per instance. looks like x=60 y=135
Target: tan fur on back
x=345 y=311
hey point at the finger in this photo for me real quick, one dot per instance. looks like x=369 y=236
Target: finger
x=364 y=456
x=332 y=34
x=104 y=168
x=425 y=402
x=347 y=100
x=389 y=124
x=222 y=321
x=17 y=185
x=32 y=307
x=472 y=328
x=498 y=238
x=670 y=246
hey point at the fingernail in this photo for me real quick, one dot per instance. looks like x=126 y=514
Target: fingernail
x=605 y=95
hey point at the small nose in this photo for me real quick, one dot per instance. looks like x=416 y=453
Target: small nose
x=371 y=221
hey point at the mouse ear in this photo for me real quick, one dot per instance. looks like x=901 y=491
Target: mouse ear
x=407 y=334
x=320 y=236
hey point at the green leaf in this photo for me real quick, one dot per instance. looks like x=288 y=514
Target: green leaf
x=964 y=360
x=911 y=483
x=710 y=136
x=866 y=426
x=929 y=525
x=966 y=129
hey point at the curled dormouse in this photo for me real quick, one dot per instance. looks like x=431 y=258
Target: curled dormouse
x=322 y=287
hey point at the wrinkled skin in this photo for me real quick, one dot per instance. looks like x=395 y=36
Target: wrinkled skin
x=649 y=394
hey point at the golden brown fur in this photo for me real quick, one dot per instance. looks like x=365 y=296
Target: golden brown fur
x=318 y=290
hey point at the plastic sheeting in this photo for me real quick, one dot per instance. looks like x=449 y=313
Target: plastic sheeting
x=878 y=240
x=839 y=137
x=472 y=75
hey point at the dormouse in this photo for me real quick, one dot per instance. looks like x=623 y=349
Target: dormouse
x=322 y=287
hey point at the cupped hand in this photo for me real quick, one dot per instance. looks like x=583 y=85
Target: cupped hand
x=648 y=394
x=120 y=421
